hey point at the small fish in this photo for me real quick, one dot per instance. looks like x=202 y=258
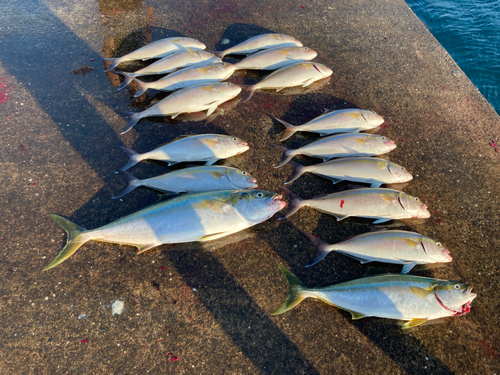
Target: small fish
x=341 y=121
x=340 y=146
x=404 y=297
x=188 y=218
x=157 y=49
x=259 y=42
x=204 y=147
x=194 y=180
x=184 y=58
x=298 y=74
x=373 y=203
x=374 y=171
x=386 y=246
x=275 y=58
x=206 y=96
x=190 y=76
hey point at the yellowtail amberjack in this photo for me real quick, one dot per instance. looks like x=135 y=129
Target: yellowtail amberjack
x=259 y=42
x=275 y=58
x=194 y=180
x=188 y=218
x=373 y=203
x=387 y=246
x=403 y=297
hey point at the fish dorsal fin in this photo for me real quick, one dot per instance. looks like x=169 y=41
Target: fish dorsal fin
x=413 y=323
x=408 y=267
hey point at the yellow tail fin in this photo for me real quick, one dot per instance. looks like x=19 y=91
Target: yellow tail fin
x=296 y=288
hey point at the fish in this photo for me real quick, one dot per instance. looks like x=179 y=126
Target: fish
x=413 y=299
x=202 y=147
x=190 y=76
x=339 y=146
x=156 y=49
x=275 y=58
x=374 y=171
x=373 y=203
x=184 y=58
x=259 y=42
x=386 y=246
x=188 y=218
x=298 y=74
x=193 y=180
x=351 y=120
x=206 y=96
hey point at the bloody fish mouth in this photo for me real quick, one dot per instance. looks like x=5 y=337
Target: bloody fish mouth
x=276 y=200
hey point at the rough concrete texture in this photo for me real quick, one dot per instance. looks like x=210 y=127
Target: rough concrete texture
x=207 y=309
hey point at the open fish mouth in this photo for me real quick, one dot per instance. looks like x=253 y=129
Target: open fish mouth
x=276 y=200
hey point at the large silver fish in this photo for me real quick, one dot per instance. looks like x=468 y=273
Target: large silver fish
x=259 y=42
x=374 y=171
x=299 y=74
x=340 y=121
x=275 y=58
x=387 y=246
x=373 y=203
x=188 y=218
x=202 y=147
x=190 y=99
x=411 y=298
x=340 y=146
x=194 y=180
x=184 y=58
x=190 y=76
x=157 y=49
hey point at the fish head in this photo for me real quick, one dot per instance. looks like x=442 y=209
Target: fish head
x=413 y=206
x=241 y=179
x=257 y=206
x=307 y=53
x=380 y=143
x=290 y=40
x=372 y=118
x=436 y=251
x=193 y=43
x=230 y=90
x=454 y=296
x=323 y=70
x=226 y=69
x=233 y=145
x=399 y=172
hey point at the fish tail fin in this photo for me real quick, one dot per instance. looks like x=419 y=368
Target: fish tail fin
x=142 y=87
x=131 y=182
x=133 y=158
x=219 y=54
x=135 y=117
x=286 y=157
x=73 y=242
x=127 y=78
x=321 y=248
x=114 y=62
x=289 y=128
x=250 y=89
x=298 y=170
x=295 y=203
x=296 y=294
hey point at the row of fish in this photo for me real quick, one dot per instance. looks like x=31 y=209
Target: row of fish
x=200 y=75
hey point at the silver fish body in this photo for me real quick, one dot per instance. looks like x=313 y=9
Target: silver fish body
x=299 y=74
x=194 y=180
x=373 y=203
x=388 y=246
x=404 y=297
x=207 y=96
x=275 y=58
x=260 y=42
x=340 y=121
x=188 y=218
x=157 y=49
x=203 y=147
x=190 y=76
x=342 y=145
x=374 y=171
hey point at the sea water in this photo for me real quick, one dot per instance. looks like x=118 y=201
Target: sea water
x=470 y=32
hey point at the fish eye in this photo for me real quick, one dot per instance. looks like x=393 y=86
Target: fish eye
x=306 y=48
x=438 y=244
x=403 y=168
x=259 y=195
x=457 y=286
x=416 y=199
x=235 y=139
x=243 y=173
x=383 y=138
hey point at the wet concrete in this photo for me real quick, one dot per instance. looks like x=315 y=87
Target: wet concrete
x=206 y=309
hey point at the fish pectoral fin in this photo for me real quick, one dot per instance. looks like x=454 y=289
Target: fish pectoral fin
x=413 y=323
x=407 y=267
x=351 y=150
x=382 y=220
x=144 y=248
x=356 y=315
x=211 y=161
x=421 y=293
x=308 y=82
x=411 y=243
x=212 y=236
x=376 y=185
x=389 y=199
x=213 y=106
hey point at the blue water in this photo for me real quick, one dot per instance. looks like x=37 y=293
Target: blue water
x=470 y=32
